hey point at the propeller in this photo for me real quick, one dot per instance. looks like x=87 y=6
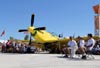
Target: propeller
x=30 y=41
x=32 y=24
x=22 y=30
x=40 y=28
x=32 y=19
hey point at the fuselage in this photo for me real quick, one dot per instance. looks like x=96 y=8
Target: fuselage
x=42 y=36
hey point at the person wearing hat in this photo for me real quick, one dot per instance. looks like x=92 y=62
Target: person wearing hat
x=72 y=46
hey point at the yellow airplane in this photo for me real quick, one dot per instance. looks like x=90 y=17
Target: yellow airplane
x=42 y=36
x=39 y=34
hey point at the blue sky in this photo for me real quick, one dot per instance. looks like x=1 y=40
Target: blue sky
x=60 y=16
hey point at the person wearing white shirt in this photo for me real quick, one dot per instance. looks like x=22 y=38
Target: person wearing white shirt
x=72 y=46
x=90 y=43
x=81 y=47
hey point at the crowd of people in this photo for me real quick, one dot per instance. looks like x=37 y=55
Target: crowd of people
x=70 y=49
x=17 y=47
x=96 y=48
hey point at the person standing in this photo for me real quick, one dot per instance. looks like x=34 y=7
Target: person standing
x=72 y=45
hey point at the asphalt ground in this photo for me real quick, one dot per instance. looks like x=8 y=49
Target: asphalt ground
x=46 y=61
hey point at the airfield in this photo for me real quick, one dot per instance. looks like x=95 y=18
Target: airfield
x=45 y=61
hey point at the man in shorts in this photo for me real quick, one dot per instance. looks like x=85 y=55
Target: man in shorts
x=90 y=43
x=81 y=47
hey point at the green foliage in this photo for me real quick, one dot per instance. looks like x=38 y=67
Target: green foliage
x=11 y=38
x=26 y=37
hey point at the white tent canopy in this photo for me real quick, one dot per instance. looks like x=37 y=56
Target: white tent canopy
x=2 y=41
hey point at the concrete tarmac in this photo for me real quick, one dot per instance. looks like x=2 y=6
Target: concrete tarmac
x=46 y=61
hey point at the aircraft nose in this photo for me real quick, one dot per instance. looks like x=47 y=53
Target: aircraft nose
x=31 y=29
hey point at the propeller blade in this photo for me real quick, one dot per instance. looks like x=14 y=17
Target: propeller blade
x=30 y=41
x=40 y=28
x=32 y=19
x=22 y=30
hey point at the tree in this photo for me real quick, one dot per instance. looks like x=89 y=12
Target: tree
x=11 y=38
x=26 y=37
